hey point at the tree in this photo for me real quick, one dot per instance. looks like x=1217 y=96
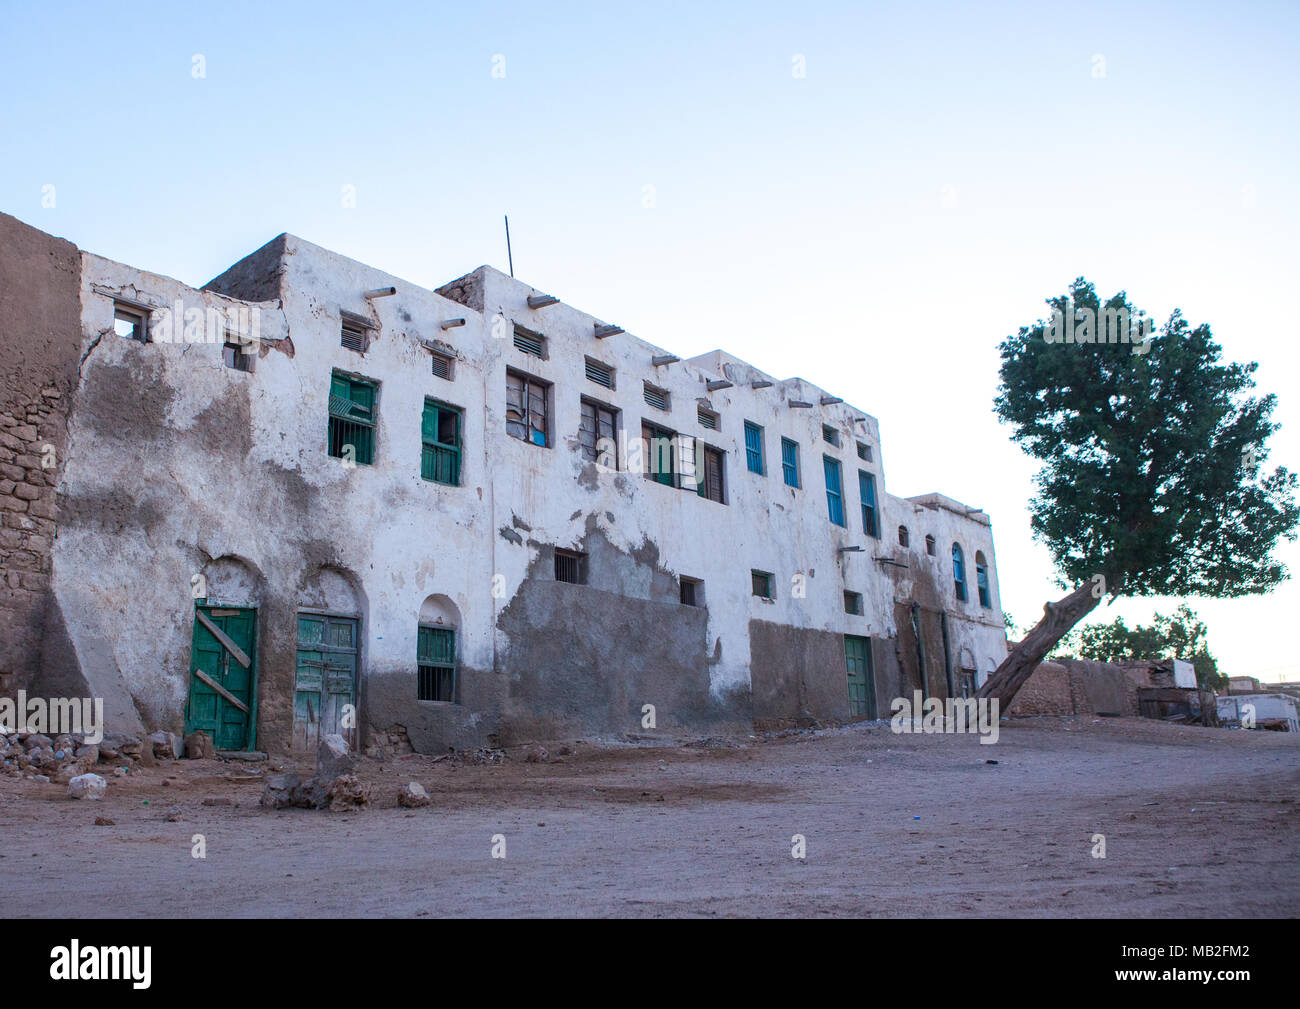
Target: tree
x=1181 y=636
x=1151 y=480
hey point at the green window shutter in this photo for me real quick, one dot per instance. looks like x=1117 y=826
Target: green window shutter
x=352 y=419
x=440 y=435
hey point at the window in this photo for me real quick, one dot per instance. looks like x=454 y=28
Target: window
x=442 y=366
x=440 y=432
x=656 y=397
x=436 y=663
x=570 y=567
x=867 y=490
x=754 y=448
x=903 y=538
x=530 y=342
x=830 y=435
x=597 y=432
x=660 y=455
x=761 y=583
x=130 y=322
x=958 y=573
x=929 y=546
x=864 y=452
x=982 y=579
x=600 y=373
x=234 y=357
x=354 y=332
x=790 y=462
x=834 y=492
x=692 y=590
x=708 y=419
x=526 y=409
x=853 y=603
x=352 y=419
x=709 y=480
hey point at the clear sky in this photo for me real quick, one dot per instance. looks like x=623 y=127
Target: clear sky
x=870 y=196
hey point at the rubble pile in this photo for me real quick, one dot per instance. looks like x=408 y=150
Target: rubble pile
x=334 y=785
x=63 y=759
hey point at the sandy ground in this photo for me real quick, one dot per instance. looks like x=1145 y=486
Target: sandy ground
x=1197 y=822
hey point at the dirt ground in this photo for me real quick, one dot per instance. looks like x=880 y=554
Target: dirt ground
x=1196 y=822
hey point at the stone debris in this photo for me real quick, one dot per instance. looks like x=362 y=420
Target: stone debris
x=173 y=814
x=413 y=796
x=166 y=745
x=104 y=821
x=87 y=786
x=334 y=786
x=198 y=746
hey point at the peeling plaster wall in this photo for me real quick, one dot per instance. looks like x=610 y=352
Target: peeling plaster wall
x=180 y=466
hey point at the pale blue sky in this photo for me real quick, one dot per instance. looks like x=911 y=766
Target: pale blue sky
x=876 y=226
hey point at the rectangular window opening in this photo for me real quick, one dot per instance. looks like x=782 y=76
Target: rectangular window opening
x=692 y=591
x=790 y=462
x=571 y=567
x=130 y=323
x=527 y=409
x=754 y=448
x=352 y=419
x=436 y=664
x=834 y=490
x=853 y=603
x=761 y=583
x=598 y=433
x=440 y=436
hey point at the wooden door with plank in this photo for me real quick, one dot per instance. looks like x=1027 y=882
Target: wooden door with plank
x=223 y=677
x=325 y=679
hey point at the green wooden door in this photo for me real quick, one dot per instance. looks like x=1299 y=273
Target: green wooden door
x=862 y=687
x=325 y=681
x=223 y=677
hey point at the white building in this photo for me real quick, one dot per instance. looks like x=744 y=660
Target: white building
x=400 y=505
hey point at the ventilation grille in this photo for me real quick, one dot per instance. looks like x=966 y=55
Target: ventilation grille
x=656 y=397
x=354 y=338
x=601 y=374
x=708 y=419
x=442 y=366
x=529 y=343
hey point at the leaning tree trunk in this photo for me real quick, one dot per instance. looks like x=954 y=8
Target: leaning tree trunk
x=1016 y=668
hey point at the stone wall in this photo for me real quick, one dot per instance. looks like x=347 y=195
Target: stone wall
x=40 y=329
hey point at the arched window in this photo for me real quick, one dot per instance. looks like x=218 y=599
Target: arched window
x=958 y=572
x=929 y=546
x=982 y=579
x=902 y=536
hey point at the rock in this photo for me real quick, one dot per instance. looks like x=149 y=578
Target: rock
x=41 y=757
x=346 y=792
x=334 y=758
x=89 y=753
x=282 y=791
x=65 y=774
x=166 y=745
x=38 y=741
x=120 y=772
x=413 y=796
x=103 y=821
x=198 y=746
x=173 y=815
x=217 y=800
x=41 y=778
x=536 y=755
x=87 y=786
x=110 y=747
x=63 y=742
x=131 y=748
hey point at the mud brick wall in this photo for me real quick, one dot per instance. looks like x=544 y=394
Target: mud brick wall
x=1046 y=692
x=40 y=343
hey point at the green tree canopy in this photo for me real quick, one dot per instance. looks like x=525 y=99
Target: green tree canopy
x=1152 y=479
